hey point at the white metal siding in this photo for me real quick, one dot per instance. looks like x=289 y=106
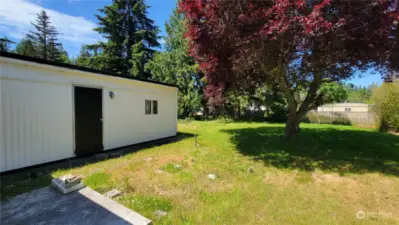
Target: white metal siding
x=338 y=108
x=37 y=123
x=126 y=122
x=38 y=118
x=2 y=158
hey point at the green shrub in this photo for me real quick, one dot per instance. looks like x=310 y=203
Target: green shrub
x=341 y=121
x=224 y=119
x=333 y=118
x=253 y=115
x=277 y=114
x=386 y=98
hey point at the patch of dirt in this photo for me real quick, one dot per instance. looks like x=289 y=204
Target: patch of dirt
x=334 y=179
x=170 y=158
x=162 y=190
x=365 y=126
x=347 y=188
x=189 y=161
x=280 y=179
x=222 y=186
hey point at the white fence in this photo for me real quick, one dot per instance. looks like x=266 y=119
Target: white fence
x=358 y=118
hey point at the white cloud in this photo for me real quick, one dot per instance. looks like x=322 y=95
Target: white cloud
x=16 y=15
x=162 y=41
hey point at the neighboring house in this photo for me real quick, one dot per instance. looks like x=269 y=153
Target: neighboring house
x=345 y=107
x=52 y=111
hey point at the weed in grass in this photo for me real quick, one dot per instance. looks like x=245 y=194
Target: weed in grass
x=303 y=177
x=207 y=197
x=147 y=205
x=186 y=177
x=99 y=181
x=187 y=220
x=128 y=188
x=172 y=168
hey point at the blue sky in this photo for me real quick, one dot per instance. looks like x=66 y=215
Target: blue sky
x=75 y=20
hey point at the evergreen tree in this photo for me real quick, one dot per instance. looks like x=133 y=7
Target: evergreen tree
x=138 y=60
x=130 y=35
x=45 y=39
x=88 y=57
x=359 y=94
x=55 y=51
x=26 y=47
x=63 y=55
x=83 y=57
x=5 y=44
x=175 y=66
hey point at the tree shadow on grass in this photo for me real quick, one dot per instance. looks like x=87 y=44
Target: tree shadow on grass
x=342 y=151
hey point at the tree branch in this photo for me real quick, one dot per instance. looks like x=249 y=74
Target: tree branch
x=312 y=93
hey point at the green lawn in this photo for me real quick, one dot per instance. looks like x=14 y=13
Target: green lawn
x=325 y=176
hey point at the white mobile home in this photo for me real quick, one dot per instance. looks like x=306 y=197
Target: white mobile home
x=345 y=107
x=51 y=111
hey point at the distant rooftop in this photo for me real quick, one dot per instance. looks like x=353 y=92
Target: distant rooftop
x=352 y=104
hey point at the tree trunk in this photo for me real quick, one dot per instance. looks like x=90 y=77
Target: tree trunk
x=292 y=126
x=236 y=112
x=296 y=113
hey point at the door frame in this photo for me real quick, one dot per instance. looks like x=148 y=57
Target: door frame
x=102 y=88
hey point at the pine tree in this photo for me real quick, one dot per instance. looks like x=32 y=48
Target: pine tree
x=5 y=44
x=175 y=66
x=130 y=35
x=26 y=47
x=54 y=51
x=63 y=55
x=87 y=58
x=83 y=57
x=45 y=39
x=138 y=60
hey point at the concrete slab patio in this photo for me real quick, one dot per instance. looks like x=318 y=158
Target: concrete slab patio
x=47 y=206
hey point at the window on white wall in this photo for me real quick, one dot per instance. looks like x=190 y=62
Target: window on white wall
x=147 y=107
x=347 y=109
x=154 y=107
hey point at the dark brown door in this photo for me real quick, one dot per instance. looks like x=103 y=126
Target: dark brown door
x=88 y=121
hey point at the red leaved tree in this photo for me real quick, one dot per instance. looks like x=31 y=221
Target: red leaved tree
x=296 y=45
